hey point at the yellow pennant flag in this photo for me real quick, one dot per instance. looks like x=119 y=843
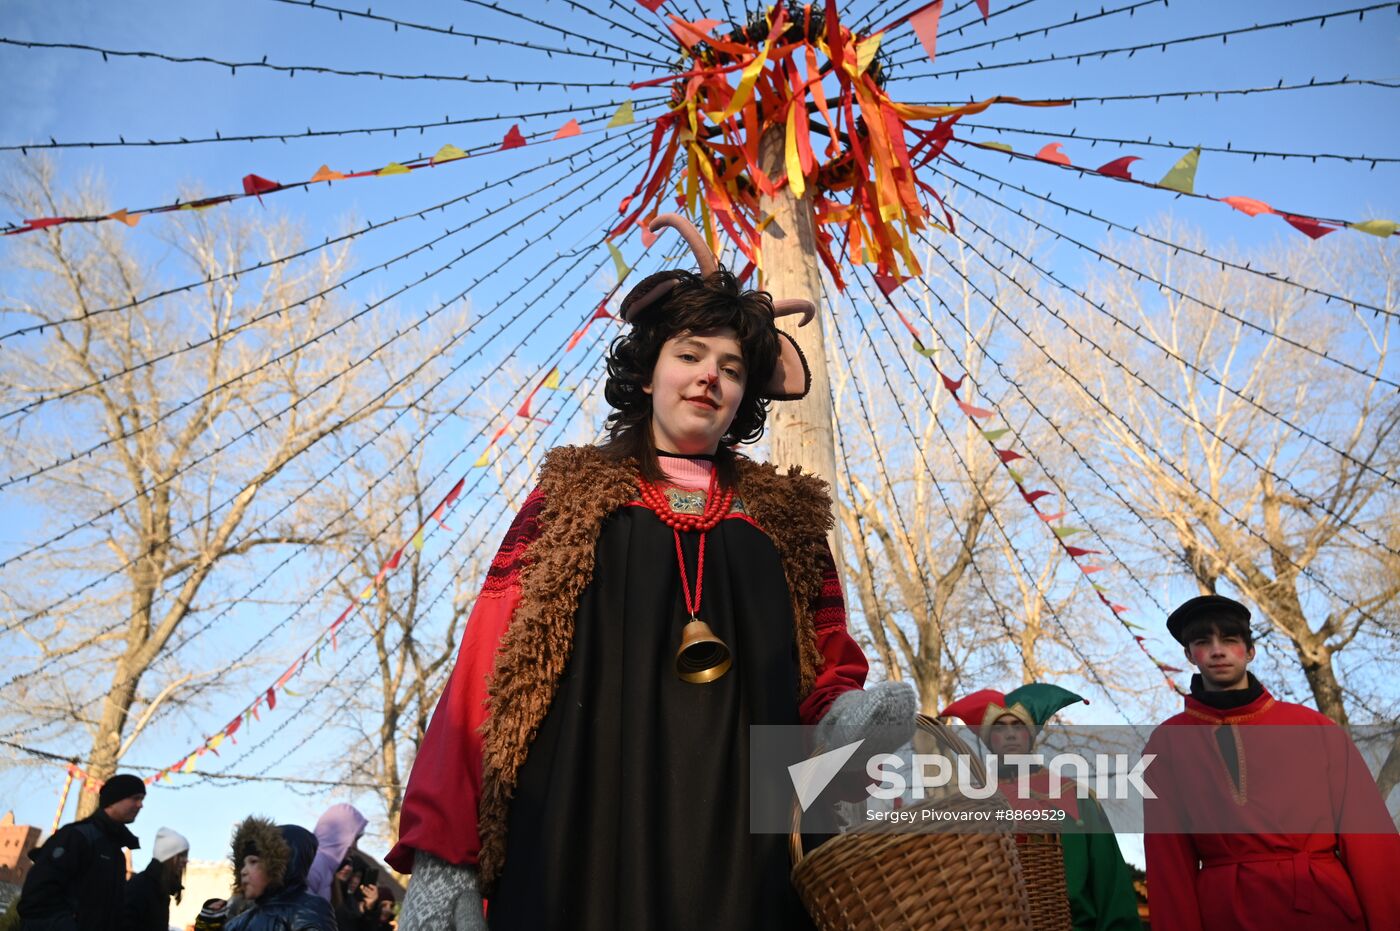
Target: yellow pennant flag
x=622 y=269
x=368 y=593
x=552 y=379
x=189 y=765
x=418 y=540
x=448 y=153
x=482 y=461
x=623 y=116
x=393 y=168
x=865 y=53
x=216 y=740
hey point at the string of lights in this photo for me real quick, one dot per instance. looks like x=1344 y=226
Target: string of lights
x=1227 y=149
x=394 y=387
x=1145 y=444
x=397 y=24
x=265 y=264
x=1130 y=50
x=1178 y=248
x=292 y=70
x=609 y=106
x=1165 y=350
x=1039 y=31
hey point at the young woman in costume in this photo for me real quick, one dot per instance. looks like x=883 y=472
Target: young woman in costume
x=576 y=770
x=1100 y=887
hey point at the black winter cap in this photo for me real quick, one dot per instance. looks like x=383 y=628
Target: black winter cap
x=1203 y=606
x=120 y=786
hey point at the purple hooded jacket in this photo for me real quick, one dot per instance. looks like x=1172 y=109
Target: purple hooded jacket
x=336 y=831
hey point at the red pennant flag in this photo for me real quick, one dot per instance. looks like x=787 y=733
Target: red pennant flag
x=393 y=561
x=1049 y=517
x=1008 y=455
x=1090 y=570
x=690 y=33
x=925 y=23
x=971 y=411
x=455 y=493
x=1118 y=168
x=38 y=224
x=514 y=139
x=1308 y=226
x=982 y=5
x=570 y=128
x=286 y=676
x=233 y=726
x=1052 y=153
x=271 y=700
x=1033 y=496
x=951 y=385
x=887 y=285
x=1118 y=609
x=651 y=5
x=1080 y=551
x=1165 y=668
x=1248 y=205
x=252 y=184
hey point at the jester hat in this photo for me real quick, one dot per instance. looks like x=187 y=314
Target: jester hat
x=1031 y=704
x=792 y=379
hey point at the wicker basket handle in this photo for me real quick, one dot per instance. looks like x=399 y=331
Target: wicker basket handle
x=946 y=740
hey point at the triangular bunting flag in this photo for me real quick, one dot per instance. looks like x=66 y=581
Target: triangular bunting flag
x=324 y=173
x=1182 y=177
x=514 y=138
x=925 y=23
x=623 y=116
x=132 y=220
x=570 y=128
x=448 y=153
x=393 y=168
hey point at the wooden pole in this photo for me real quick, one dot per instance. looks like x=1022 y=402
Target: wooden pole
x=62 y=802
x=800 y=431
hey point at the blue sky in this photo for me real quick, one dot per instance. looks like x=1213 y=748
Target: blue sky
x=75 y=96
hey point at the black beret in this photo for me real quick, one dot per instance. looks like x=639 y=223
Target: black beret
x=1204 y=606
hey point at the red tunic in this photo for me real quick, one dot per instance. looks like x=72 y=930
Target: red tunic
x=1319 y=878
x=440 y=804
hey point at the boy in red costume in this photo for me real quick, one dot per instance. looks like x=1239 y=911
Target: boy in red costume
x=1213 y=771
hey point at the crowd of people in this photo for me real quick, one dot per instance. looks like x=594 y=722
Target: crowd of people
x=587 y=764
x=283 y=878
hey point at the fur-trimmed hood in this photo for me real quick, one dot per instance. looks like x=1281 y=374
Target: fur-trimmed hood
x=286 y=852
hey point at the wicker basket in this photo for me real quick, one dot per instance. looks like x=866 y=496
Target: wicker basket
x=1043 y=866
x=882 y=878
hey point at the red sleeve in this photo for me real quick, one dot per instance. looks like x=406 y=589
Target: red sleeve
x=1370 y=858
x=440 y=803
x=843 y=663
x=1172 y=863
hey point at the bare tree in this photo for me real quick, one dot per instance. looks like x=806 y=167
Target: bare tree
x=1266 y=468
x=168 y=501
x=953 y=579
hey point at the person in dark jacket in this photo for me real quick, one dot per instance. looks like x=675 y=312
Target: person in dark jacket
x=79 y=875
x=149 y=892
x=270 y=865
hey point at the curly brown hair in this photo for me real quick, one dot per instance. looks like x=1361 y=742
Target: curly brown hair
x=697 y=304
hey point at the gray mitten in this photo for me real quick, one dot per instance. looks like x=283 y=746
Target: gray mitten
x=888 y=708
x=441 y=897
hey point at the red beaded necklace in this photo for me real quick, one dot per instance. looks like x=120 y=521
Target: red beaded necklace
x=717 y=505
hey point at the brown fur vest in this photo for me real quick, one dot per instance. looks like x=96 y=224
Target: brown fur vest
x=581 y=488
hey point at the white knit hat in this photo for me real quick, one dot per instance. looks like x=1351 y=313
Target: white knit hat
x=168 y=844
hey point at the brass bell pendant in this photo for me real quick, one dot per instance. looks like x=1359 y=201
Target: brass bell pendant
x=703 y=657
